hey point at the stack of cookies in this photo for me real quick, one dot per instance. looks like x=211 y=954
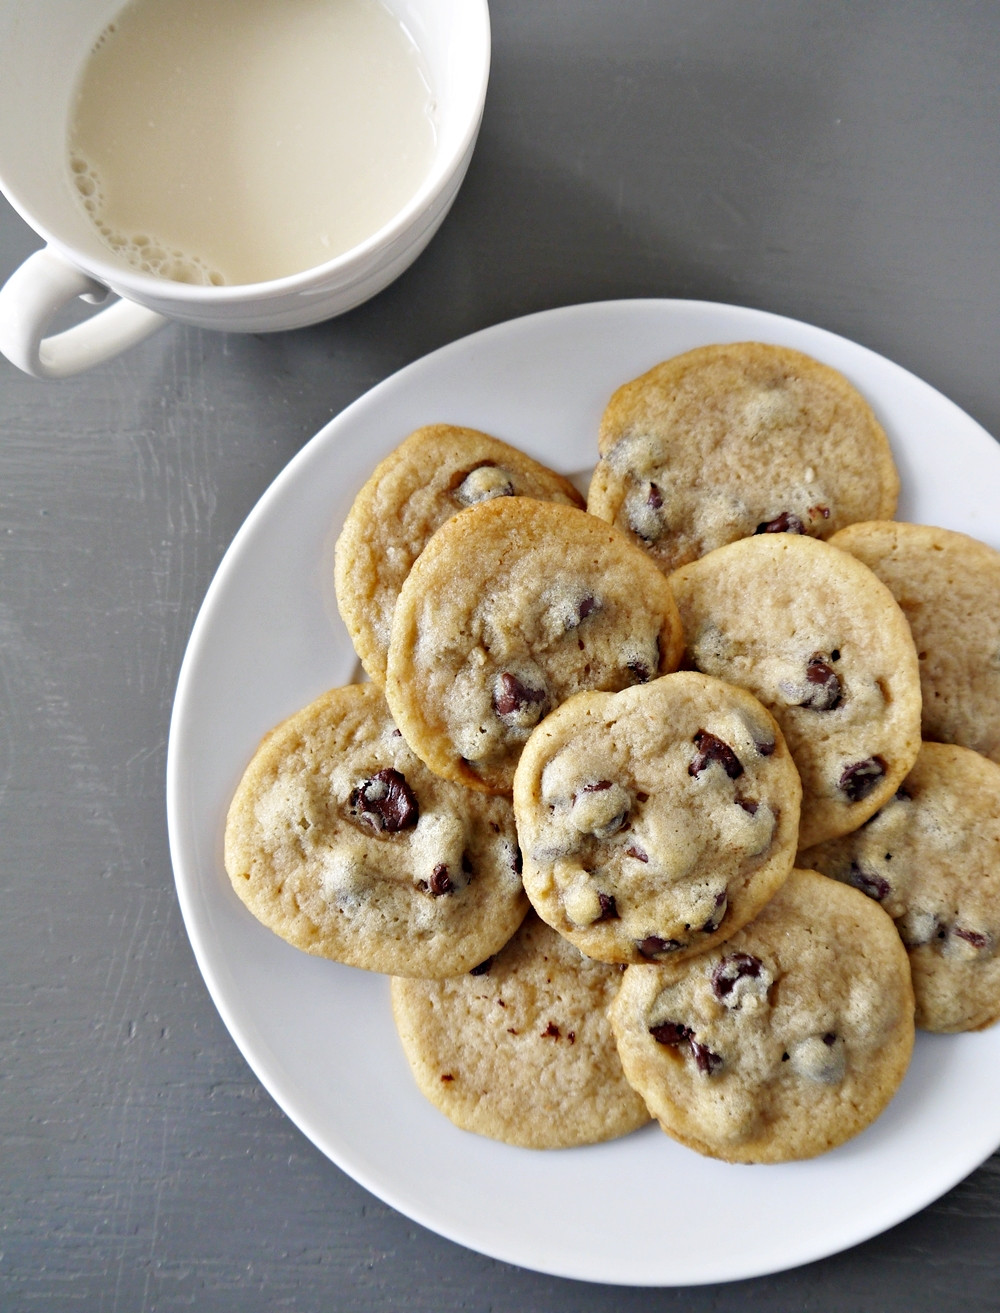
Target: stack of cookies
x=682 y=804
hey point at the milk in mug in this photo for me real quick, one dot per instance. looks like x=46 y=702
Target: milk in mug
x=235 y=141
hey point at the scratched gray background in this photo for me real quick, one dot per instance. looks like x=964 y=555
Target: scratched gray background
x=837 y=163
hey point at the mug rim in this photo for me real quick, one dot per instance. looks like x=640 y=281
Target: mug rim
x=423 y=200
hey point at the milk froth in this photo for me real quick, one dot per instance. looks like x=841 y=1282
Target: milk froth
x=235 y=141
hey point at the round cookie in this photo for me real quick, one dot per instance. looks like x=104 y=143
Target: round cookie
x=735 y=439
x=343 y=843
x=812 y=633
x=948 y=586
x=513 y=606
x=656 y=821
x=520 y=1049
x=931 y=858
x=437 y=471
x=783 y=1043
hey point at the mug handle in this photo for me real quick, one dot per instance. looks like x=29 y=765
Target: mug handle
x=34 y=294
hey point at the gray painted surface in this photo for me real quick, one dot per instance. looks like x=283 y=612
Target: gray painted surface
x=836 y=163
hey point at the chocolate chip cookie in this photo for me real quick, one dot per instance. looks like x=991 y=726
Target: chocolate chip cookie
x=436 y=472
x=931 y=857
x=782 y=1043
x=520 y=1049
x=948 y=586
x=512 y=606
x=342 y=842
x=732 y=440
x=656 y=821
x=821 y=642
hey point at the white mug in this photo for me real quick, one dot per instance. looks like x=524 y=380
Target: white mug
x=42 y=48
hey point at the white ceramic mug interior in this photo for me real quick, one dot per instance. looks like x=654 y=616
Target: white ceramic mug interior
x=42 y=49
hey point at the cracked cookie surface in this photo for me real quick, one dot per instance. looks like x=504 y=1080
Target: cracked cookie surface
x=782 y=1043
x=654 y=822
x=341 y=841
x=736 y=439
x=521 y=1049
x=513 y=606
x=437 y=471
x=931 y=858
x=822 y=643
x=948 y=586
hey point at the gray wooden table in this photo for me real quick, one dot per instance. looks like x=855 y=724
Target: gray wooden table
x=837 y=163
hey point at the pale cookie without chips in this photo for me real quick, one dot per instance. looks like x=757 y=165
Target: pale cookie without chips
x=783 y=1043
x=821 y=642
x=513 y=606
x=521 y=1050
x=343 y=843
x=736 y=439
x=948 y=586
x=931 y=858
x=436 y=472
x=656 y=821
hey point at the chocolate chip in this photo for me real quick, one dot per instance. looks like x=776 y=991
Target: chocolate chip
x=511 y=697
x=829 y=1039
x=710 y=748
x=598 y=787
x=483 y=967
x=640 y=670
x=516 y=861
x=653 y=946
x=731 y=969
x=440 y=882
x=786 y=522
x=973 y=937
x=671 y=1033
x=706 y=1061
x=386 y=802
x=748 y=804
x=766 y=747
x=861 y=777
x=551 y=1031
x=875 y=886
x=645 y=512
x=609 y=908
x=826 y=691
x=637 y=853
x=574 y=612
x=674 y=1034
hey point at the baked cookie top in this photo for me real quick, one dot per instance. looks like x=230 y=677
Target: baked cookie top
x=343 y=843
x=931 y=857
x=656 y=821
x=521 y=1049
x=782 y=1043
x=437 y=471
x=731 y=440
x=821 y=642
x=513 y=606
x=948 y=586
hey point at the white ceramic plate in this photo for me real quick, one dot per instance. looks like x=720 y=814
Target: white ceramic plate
x=638 y=1211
